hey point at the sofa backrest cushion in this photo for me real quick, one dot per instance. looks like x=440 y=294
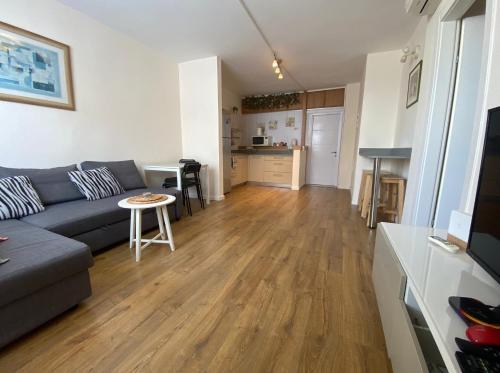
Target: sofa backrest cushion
x=97 y=183
x=18 y=198
x=125 y=171
x=52 y=184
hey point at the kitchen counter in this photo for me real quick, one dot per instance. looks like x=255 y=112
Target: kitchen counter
x=393 y=153
x=268 y=151
x=270 y=166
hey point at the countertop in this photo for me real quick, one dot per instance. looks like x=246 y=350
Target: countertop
x=394 y=153
x=268 y=151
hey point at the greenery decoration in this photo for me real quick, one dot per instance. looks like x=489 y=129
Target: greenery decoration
x=274 y=101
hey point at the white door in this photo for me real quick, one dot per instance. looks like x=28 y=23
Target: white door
x=323 y=138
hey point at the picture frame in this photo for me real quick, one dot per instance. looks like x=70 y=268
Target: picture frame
x=34 y=69
x=414 y=79
x=273 y=124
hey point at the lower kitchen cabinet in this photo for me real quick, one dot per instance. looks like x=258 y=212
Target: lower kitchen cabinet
x=268 y=169
x=278 y=177
x=239 y=171
x=256 y=168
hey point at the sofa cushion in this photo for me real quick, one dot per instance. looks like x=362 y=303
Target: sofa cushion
x=52 y=184
x=76 y=217
x=38 y=258
x=97 y=183
x=18 y=198
x=125 y=171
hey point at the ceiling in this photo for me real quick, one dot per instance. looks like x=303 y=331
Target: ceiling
x=322 y=42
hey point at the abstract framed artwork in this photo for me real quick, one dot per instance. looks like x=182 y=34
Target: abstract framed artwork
x=414 y=85
x=34 y=69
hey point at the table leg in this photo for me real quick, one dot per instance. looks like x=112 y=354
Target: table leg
x=132 y=228
x=160 y=222
x=372 y=217
x=168 y=227
x=179 y=179
x=138 y=234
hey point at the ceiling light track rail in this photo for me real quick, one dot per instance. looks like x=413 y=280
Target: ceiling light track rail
x=277 y=65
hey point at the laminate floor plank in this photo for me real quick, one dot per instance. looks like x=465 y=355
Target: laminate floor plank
x=268 y=280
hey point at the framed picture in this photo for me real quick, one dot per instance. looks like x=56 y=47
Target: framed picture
x=34 y=69
x=414 y=85
x=273 y=124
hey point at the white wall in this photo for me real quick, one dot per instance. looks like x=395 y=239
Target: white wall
x=250 y=122
x=348 y=145
x=407 y=117
x=201 y=116
x=230 y=99
x=127 y=97
x=379 y=111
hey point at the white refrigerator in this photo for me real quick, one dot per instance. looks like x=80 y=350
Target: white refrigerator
x=226 y=151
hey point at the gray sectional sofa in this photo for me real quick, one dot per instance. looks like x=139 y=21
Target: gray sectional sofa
x=50 y=252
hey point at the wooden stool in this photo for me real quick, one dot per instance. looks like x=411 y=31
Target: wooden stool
x=365 y=191
x=392 y=195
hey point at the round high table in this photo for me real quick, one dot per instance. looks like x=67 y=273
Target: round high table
x=136 y=224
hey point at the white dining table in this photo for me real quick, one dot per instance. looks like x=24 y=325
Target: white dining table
x=177 y=168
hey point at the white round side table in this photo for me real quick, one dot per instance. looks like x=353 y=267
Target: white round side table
x=136 y=224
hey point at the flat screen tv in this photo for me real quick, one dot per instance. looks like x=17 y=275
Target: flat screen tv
x=484 y=238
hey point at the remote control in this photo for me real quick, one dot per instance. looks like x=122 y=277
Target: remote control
x=486 y=352
x=474 y=364
x=442 y=243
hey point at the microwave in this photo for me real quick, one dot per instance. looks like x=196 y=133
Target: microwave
x=262 y=141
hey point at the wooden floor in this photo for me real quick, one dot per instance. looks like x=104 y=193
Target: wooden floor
x=267 y=280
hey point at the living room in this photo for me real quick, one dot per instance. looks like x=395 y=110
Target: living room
x=195 y=186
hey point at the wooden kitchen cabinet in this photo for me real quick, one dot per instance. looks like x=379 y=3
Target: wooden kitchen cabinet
x=239 y=171
x=315 y=99
x=278 y=169
x=327 y=98
x=256 y=168
x=334 y=98
x=270 y=169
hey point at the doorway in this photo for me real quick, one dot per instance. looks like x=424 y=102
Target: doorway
x=323 y=137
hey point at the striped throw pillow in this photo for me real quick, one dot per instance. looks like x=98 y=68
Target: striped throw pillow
x=18 y=198
x=97 y=183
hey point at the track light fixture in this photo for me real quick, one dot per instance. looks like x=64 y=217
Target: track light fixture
x=277 y=67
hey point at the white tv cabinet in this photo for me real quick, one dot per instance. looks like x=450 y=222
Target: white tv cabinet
x=413 y=280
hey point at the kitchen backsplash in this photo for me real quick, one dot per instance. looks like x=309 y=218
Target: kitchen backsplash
x=281 y=125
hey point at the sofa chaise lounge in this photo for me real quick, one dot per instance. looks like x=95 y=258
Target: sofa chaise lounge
x=50 y=252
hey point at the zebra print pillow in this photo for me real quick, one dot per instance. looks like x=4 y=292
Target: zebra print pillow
x=18 y=198
x=96 y=183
